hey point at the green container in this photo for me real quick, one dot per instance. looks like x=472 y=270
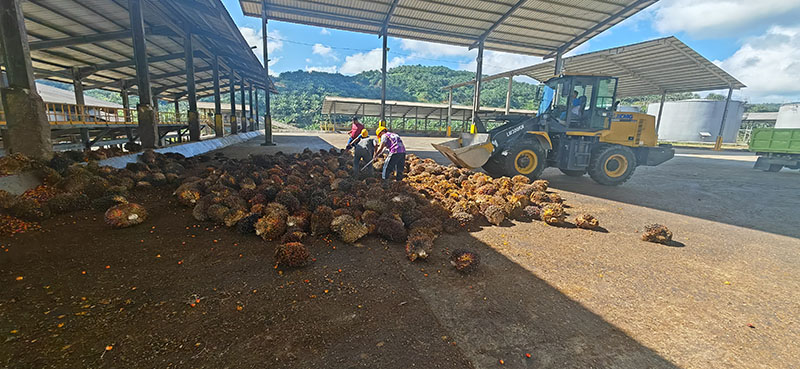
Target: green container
x=775 y=140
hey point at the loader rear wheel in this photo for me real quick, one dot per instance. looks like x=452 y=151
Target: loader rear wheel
x=573 y=173
x=612 y=165
x=774 y=168
x=493 y=167
x=525 y=158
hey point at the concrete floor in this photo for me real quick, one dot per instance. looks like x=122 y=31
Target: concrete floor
x=729 y=297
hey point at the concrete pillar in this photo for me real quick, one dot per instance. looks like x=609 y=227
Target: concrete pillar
x=559 y=64
x=27 y=129
x=660 y=110
x=476 y=101
x=255 y=115
x=126 y=104
x=191 y=115
x=148 y=123
x=383 y=77
x=80 y=107
x=219 y=131
x=234 y=122
x=508 y=94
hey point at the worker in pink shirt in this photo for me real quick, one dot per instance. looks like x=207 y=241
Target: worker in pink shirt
x=355 y=131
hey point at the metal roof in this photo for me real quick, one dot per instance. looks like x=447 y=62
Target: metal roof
x=761 y=116
x=646 y=68
x=95 y=36
x=57 y=95
x=404 y=109
x=533 y=27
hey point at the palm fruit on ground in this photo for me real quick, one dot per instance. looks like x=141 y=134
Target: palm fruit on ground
x=402 y=202
x=247 y=193
x=49 y=176
x=116 y=190
x=294 y=235
x=6 y=199
x=216 y=212
x=108 y=201
x=235 y=202
x=540 y=197
x=233 y=216
x=487 y=189
x=202 y=205
x=520 y=179
x=187 y=196
x=29 y=209
x=587 y=221
x=419 y=245
x=288 y=200
x=553 y=214
x=370 y=219
x=524 y=190
x=247 y=183
x=555 y=198
x=533 y=212
x=143 y=185
x=348 y=228
x=391 y=228
x=376 y=205
x=465 y=261
x=68 y=202
x=300 y=219
x=541 y=184
x=157 y=179
x=494 y=214
x=60 y=163
x=430 y=226
x=657 y=233
x=293 y=254
x=515 y=205
x=463 y=218
x=247 y=225
x=271 y=226
x=125 y=215
x=96 y=187
x=321 y=220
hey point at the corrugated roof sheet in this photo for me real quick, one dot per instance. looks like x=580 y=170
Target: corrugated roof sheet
x=407 y=109
x=213 y=28
x=646 y=68
x=533 y=27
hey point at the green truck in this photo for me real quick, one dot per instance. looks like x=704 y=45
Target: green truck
x=776 y=148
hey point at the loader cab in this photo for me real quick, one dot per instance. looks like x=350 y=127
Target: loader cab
x=581 y=103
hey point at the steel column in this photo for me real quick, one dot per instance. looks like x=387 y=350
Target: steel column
x=383 y=78
x=191 y=91
x=244 y=105
x=27 y=131
x=219 y=131
x=267 y=108
x=450 y=109
x=718 y=144
x=126 y=104
x=508 y=94
x=559 y=64
x=476 y=101
x=251 y=122
x=256 y=116
x=80 y=107
x=148 y=124
x=660 y=111
x=232 y=119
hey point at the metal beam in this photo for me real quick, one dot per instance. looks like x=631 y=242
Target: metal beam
x=156 y=77
x=191 y=89
x=90 y=39
x=388 y=18
x=494 y=25
x=244 y=105
x=597 y=26
x=232 y=90
x=631 y=72
x=147 y=116
x=476 y=101
x=660 y=111
x=383 y=80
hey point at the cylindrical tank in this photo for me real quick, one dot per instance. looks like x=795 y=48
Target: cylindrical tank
x=629 y=109
x=698 y=120
x=788 y=116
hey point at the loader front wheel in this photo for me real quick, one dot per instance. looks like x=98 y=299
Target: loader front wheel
x=493 y=167
x=612 y=165
x=525 y=158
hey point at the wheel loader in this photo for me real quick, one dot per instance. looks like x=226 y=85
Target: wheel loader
x=576 y=131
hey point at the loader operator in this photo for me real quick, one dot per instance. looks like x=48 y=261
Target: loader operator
x=396 y=161
x=364 y=151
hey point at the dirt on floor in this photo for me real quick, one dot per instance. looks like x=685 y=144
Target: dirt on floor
x=174 y=293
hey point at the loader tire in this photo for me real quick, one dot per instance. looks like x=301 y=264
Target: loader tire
x=612 y=165
x=774 y=168
x=493 y=167
x=525 y=158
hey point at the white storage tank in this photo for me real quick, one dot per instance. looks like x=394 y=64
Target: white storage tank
x=698 y=120
x=788 y=116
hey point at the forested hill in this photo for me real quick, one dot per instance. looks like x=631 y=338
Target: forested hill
x=301 y=93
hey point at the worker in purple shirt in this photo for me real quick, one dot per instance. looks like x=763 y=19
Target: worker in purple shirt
x=396 y=161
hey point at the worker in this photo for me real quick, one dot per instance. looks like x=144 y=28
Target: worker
x=574 y=106
x=396 y=161
x=364 y=151
x=355 y=130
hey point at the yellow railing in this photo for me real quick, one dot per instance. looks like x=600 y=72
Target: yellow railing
x=71 y=114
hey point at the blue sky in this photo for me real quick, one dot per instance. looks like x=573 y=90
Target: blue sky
x=758 y=42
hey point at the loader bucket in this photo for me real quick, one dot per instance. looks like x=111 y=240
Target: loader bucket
x=469 y=151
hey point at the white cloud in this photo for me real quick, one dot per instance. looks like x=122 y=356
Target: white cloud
x=308 y=60
x=496 y=62
x=429 y=49
x=325 y=32
x=710 y=18
x=254 y=37
x=322 y=50
x=329 y=69
x=769 y=65
x=371 y=60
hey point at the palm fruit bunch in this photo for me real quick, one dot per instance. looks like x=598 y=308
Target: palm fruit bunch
x=464 y=261
x=348 y=228
x=14 y=163
x=247 y=225
x=533 y=212
x=419 y=245
x=539 y=197
x=6 y=199
x=68 y=202
x=29 y=209
x=552 y=214
x=494 y=214
x=273 y=225
x=321 y=220
x=293 y=254
x=587 y=221
x=294 y=235
x=107 y=201
x=125 y=215
x=541 y=185
x=657 y=233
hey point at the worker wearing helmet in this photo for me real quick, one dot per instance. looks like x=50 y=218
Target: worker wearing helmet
x=396 y=161
x=364 y=150
x=355 y=130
